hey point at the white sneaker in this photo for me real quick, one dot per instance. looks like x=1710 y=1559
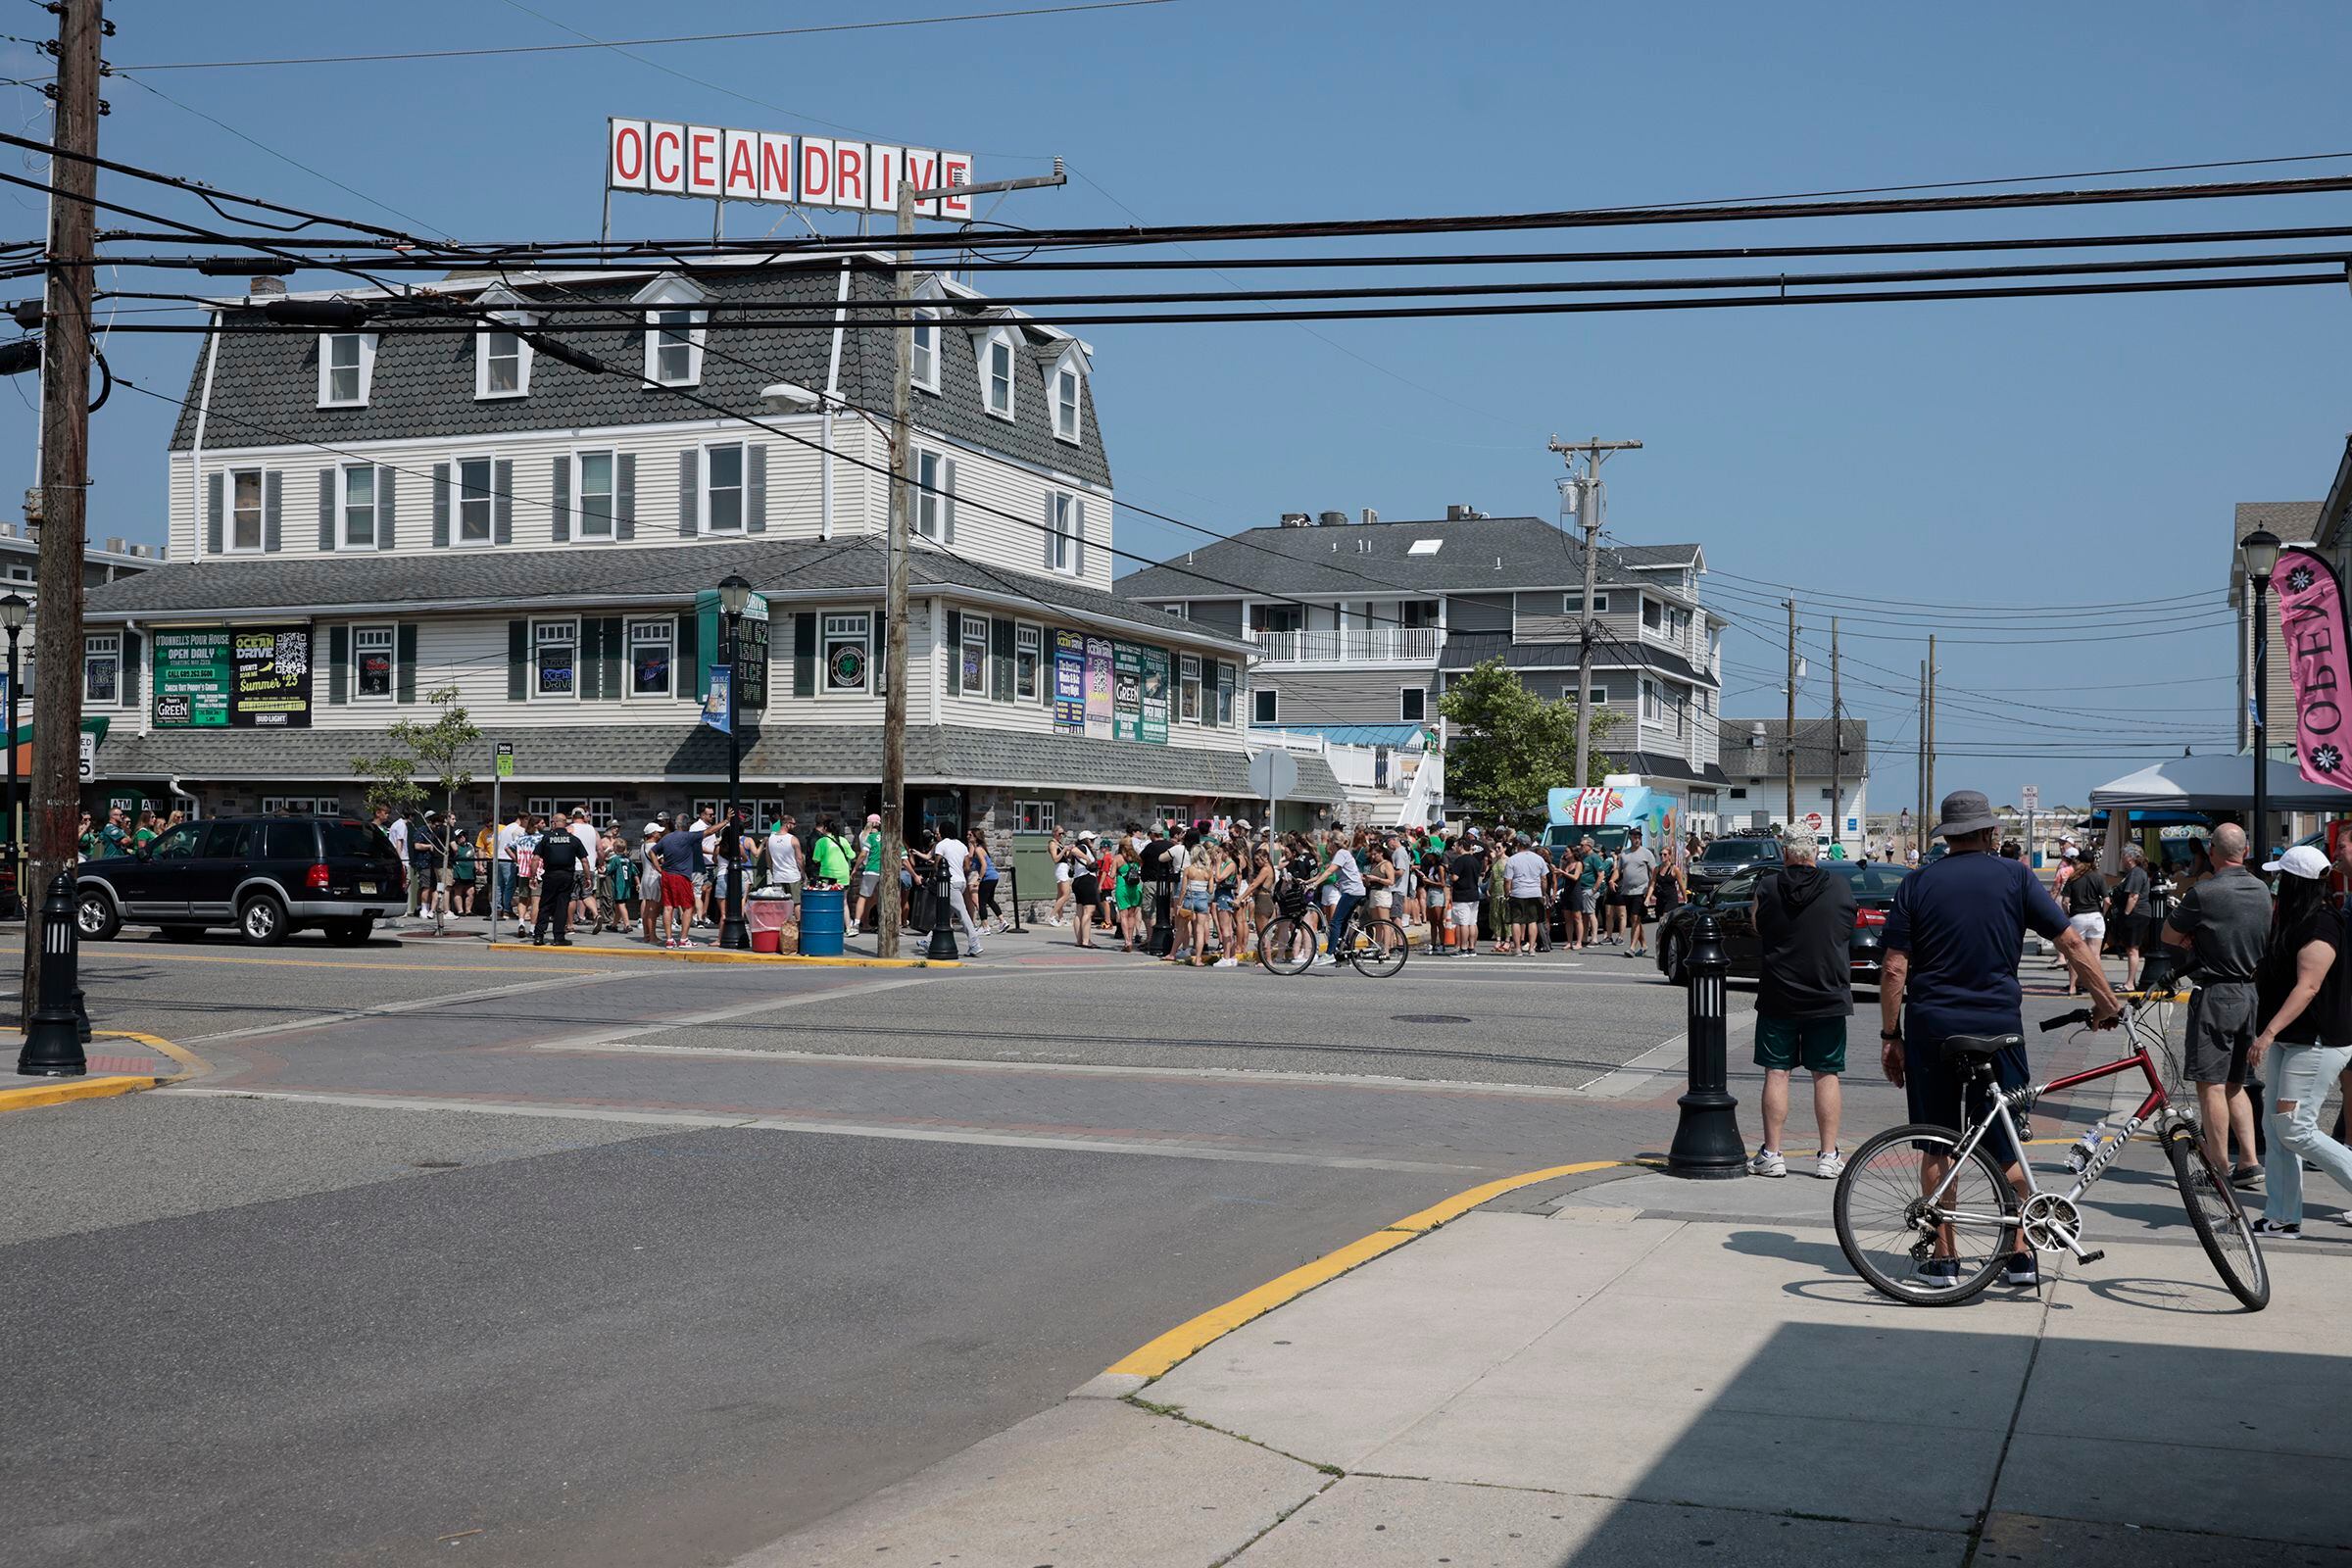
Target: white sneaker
x=1767 y=1163
x=971 y=953
x=1830 y=1166
x=1227 y=964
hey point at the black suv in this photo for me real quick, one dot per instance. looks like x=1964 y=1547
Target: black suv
x=265 y=875
x=1725 y=858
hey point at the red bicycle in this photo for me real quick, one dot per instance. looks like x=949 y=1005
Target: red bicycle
x=1927 y=1216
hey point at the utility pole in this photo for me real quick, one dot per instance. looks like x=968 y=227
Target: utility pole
x=1836 y=746
x=1931 y=726
x=1593 y=500
x=1788 y=750
x=902 y=501
x=65 y=479
x=1919 y=832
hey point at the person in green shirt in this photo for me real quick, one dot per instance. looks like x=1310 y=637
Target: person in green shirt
x=1591 y=887
x=828 y=864
x=145 y=830
x=869 y=872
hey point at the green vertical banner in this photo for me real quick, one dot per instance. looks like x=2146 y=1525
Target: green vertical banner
x=1126 y=692
x=1156 y=672
x=192 y=678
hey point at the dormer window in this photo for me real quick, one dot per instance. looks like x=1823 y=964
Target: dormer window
x=925 y=373
x=1065 y=380
x=677 y=317
x=346 y=366
x=999 y=351
x=502 y=359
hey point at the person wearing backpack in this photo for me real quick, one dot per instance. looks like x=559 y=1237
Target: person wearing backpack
x=560 y=859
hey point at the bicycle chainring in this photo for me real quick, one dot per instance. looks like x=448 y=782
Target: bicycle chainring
x=2049 y=1223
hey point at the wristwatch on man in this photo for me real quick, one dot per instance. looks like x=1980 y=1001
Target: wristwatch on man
x=1893 y=1037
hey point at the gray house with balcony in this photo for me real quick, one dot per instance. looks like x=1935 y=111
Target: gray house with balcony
x=1359 y=628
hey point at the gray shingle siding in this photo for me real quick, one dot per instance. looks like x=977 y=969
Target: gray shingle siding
x=689 y=754
x=1466 y=652
x=264 y=387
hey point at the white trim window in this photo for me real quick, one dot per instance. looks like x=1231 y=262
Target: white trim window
x=723 y=487
x=971 y=657
x=1653 y=701
x=1033 y=816
x=1188 y=688
x=848 y=653
x=502 y=365
x=1028 y=661
x=673 y=346
x=102 y=669
x=1574 y=603
x=933 y=497
x=346 y=368
x=653 y=650
x=357 y=508
x=592 y=494
x=1265 y=705
x=1412 y=704
x=1229 y=681
x=1654 y=614
x=293 y=805
x=477 y=502
x=1068 y=518
x=374 y=665
x=1069 y=403
x=1000 y=355
x=245 y=531
x=924 y=371
x=555 y=660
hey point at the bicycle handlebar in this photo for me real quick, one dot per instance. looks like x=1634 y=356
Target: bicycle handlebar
x=2078 y=1015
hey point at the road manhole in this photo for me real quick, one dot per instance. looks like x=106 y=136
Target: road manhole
x=1427 y=1018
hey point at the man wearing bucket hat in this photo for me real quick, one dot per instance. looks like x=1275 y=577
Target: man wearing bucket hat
x=1953 y=937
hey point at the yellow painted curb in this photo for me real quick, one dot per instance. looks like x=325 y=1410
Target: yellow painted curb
x=58 y=1093
x=721 y=955
x=1163 y=1355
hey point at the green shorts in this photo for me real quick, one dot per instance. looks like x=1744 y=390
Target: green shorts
x=1817 y=1044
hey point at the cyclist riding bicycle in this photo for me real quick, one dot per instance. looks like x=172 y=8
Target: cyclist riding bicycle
x=1952 y=942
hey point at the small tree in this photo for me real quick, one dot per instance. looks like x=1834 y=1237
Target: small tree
x=1511 y=747
x=437 y=748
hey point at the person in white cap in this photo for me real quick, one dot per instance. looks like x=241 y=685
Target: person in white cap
x=2311 y=1032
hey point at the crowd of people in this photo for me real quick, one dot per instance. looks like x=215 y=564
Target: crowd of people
x=1224 y=881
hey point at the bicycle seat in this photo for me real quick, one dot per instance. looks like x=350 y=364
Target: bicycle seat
x=1980 y=1045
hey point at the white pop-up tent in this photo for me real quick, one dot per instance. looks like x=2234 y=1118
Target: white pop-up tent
x=2216 y=782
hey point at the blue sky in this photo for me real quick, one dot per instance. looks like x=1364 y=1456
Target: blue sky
x=1995 y=453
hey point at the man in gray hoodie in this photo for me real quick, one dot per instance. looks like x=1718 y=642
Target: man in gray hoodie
x=1805 y=994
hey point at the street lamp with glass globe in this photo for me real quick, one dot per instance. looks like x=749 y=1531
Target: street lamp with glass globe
x=2258 y=552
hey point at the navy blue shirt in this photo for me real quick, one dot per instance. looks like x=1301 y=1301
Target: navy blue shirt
x=1963 y=920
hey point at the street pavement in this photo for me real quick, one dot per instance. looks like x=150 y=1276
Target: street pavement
x=590 y=1255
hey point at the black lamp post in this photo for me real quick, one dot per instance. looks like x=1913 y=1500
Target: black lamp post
x=14 y=610
x=734 y=595
x=2258 y=550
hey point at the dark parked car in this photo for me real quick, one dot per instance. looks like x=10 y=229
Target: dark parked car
x=1733 y=904
x=268 y=876
x=1725 y=858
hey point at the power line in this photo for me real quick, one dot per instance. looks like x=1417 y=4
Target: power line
x=643 y=43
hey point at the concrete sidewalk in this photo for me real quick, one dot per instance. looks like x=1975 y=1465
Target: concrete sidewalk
x=1646 y=1371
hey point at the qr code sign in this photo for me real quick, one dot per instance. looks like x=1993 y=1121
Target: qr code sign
x=293 y=656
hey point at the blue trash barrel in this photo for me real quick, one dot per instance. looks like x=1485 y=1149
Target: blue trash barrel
x=822 y=921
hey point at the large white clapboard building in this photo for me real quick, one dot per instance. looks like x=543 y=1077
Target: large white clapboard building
x=361 y=519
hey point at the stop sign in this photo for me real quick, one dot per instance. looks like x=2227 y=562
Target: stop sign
x=1813 y=820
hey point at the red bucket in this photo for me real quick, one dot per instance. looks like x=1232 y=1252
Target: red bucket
x=765 y=941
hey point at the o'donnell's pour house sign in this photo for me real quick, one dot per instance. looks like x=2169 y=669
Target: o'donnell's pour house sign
x=663 y=158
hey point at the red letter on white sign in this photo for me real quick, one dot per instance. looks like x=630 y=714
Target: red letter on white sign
x=666 y=157
x=955 y=169
x=627 y=168
x=702 y=160
x=742 y=166
x=775 y=166
x=816 y=170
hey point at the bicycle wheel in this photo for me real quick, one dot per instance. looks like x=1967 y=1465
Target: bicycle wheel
x=1923 y=1254
x=1378 y=948
x=1285 y=945
x=2213 y=1212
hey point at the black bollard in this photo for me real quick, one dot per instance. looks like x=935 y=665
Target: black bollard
x=1707 y=1141
x=943 y=922
x=1013 y=877
x=53 y=1038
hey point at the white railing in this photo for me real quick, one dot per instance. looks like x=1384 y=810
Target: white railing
x=1399 y=645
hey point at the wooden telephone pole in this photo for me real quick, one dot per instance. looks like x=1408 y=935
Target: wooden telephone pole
x=62 y=497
